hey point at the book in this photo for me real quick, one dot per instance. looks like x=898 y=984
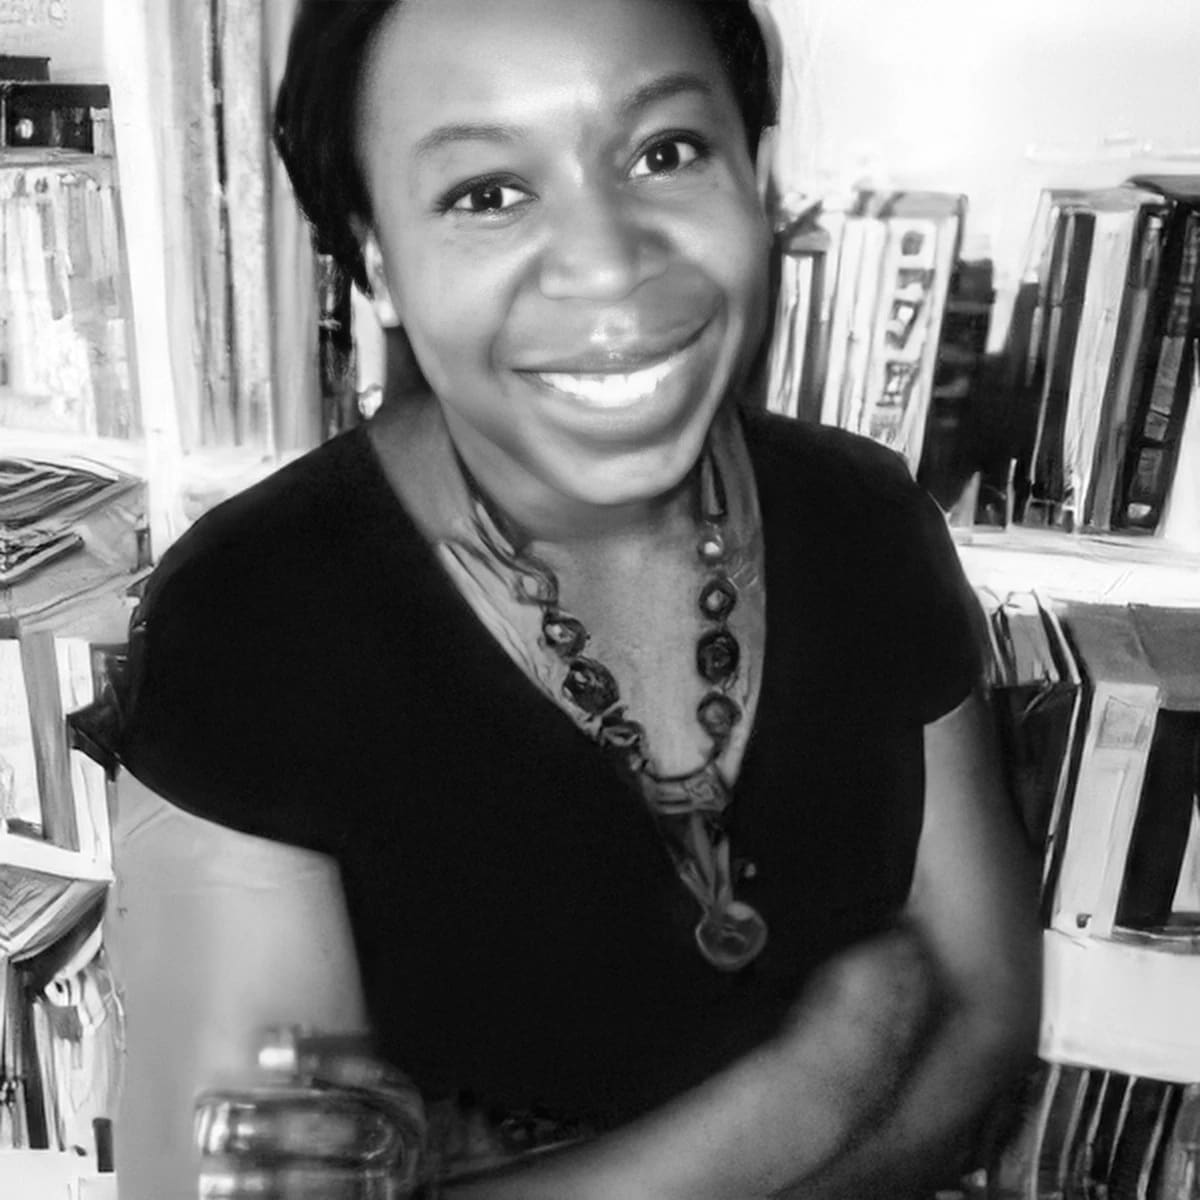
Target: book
x=77 y=1032
x=924 y=238
x=1036 y=696
x=839 y=307
x=1180 y=523
x=20 y=798
x=1171 y=793
x=1032 y=1157
x=1108 y=298
x=1122 y=694
x=959 y=436
x=1112 y=435
x=795 y=361
x=14 y=1121
x=1147 y=1106
x=1181 y=1151
x=1088 y=1132
x=66 y=352
x=862 y=302
x=1058 y=321
x=1166 y=381
x=49 y=789
x=894 y=270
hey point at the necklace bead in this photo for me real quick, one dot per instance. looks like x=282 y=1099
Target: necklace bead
x=565 y=635
x=718 y=656
x=590 y=685
x=711 y=547
x=731 y=936
x=718 y=599
x=536 y=588
x=718 y=714
x=621 y=734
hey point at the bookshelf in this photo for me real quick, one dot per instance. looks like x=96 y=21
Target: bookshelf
x=1123 y=1002
x=1086 y=568
x=1122 y=1005
x=73 y=545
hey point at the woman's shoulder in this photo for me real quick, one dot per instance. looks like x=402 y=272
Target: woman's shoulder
x=828 y=467
x=872 y=551
x=275 y=527
x=235 y=649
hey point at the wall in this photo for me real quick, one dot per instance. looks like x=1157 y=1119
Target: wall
x=994 y=98
x=70 y=32
x=987 y=97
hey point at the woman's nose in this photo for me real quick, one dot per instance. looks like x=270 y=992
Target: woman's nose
x=597 y=250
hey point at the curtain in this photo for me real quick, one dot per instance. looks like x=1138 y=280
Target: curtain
x=221 y=266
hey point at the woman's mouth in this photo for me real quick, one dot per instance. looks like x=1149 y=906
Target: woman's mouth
x=614 y=380
x=611 y=389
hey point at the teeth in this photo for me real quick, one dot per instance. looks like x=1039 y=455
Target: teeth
x=611 y=390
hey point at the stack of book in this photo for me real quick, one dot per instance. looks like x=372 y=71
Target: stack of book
x=1092 y=1133
x=1103 y=351
x=66 y=353
x=60 y=1045
x=1098 y=711
x=862 y=294
x=1037 y=695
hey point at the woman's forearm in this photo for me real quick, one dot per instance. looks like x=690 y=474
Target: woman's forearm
x=920 y=1141
x=773 y=1119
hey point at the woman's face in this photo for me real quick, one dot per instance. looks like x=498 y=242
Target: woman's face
x=568 y=228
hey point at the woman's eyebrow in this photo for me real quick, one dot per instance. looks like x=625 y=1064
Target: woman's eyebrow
x=664 y=88
x=447 y=135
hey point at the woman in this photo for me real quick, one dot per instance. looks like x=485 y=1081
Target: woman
x=614 y=754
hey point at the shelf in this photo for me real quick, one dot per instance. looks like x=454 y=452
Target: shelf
x=1081 y=567
x=30 y=854
x=48 y=1175
x=128 y=456
x=1121 y=1006
x=44 y=890
x=25 y=157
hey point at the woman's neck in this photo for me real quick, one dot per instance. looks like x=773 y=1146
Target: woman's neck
x=535 y=511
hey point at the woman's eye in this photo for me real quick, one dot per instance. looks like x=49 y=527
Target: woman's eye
x=665 y=157
x=489 y=198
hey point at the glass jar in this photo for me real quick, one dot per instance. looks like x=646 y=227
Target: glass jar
x=322 y=1120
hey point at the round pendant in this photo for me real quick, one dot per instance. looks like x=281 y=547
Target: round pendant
x=732 y=936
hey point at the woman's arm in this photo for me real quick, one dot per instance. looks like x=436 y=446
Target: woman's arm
x=214 y=936
x=974 y=902
x=850 y=1101
x=862 y=1088
x=782 y=1112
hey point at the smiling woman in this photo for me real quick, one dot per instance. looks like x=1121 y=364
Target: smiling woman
x=568 y=230
x=635 y=733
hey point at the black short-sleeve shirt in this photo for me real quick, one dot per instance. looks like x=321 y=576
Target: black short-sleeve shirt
x=301 y=668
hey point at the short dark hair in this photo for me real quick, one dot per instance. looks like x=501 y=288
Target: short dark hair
x=316 y=106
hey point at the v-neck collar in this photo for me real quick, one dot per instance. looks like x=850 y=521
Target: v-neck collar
x=420 y=567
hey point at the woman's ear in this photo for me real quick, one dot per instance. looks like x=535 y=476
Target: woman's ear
x=381 y=293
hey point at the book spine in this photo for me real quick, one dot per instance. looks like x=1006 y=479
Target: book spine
x=1069 y=269
x=1103 y=304
x=1107 y=792
x=841 y=311
x=1158 y=422
x=1141 y=281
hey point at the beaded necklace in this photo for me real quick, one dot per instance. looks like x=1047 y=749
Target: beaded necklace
x=689 y=810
